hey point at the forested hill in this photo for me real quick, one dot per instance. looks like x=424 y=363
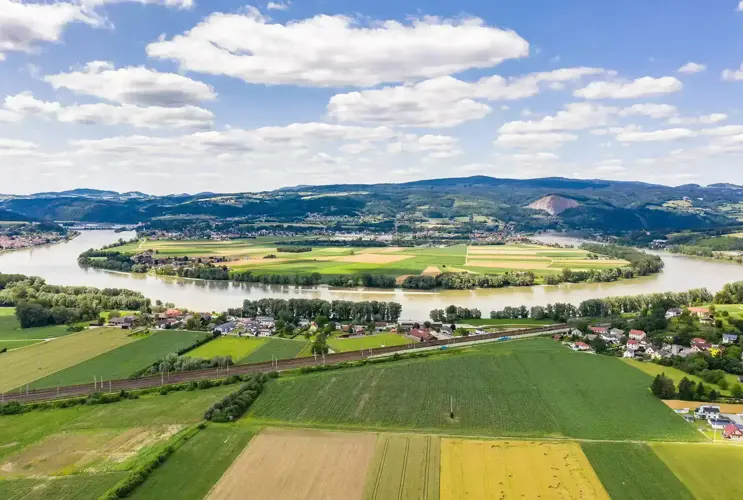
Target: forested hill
x=595 y=204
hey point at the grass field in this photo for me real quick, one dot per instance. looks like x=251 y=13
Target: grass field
x=10 y=329
x=79 y=487
x=15 y=344
x=675 y=374
x=194 y=468
x=276 y=348
x=392 y=261
x=404 y=467
x=124 y=361
x=709 y=472
x=237 y=347
x=522 y=388
x=631 y=471
x=516 y=469
x=368 y=342
x=299 y=464
x=23 y=366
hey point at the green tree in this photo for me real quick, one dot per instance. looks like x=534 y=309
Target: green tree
x=598 y=345
x=736 y=391
x=701 y=394
x=686 y=389
x=663 y=387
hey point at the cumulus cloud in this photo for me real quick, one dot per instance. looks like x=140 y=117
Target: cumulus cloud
x=733 y=75
x=278 y=5
x=651 y=110
x=641 y=87
x=709 y=119
x=14 y=144
x=670 y=134
x=443 y=101
x=337 y=50
x=133 y=85
x=534 y=141
x=177 y=4
x=724 y=130
x=692 y=67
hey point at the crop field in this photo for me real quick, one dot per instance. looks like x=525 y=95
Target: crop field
x=276 y=348
x=631 y=471
x=124 y=361
x=78 y=487
x=249 y=255
x=522 y=388
x=404 y=467
x=237 y=347
x=23 y=366
x=516 y=469
x=186 y=475
x=368 y=342
x=709 y=472
x=308 y=465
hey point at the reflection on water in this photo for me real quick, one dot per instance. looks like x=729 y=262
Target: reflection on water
x=58 y=265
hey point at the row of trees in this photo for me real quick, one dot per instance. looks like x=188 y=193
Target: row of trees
x=174 y=363
x=688 y=390
x=454 y=313
x=233 y=405
x=466 y=281
x=292 y=310
x=276 y=279
x=641 y=262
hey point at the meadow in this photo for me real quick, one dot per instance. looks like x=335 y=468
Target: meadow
x=369 y=342
x=78 y=487
x=277 y=348
x=23 y=366
x=237 y=347
x=631 y=471
x=10 y=329
x=124 y=361
x=675 y=374
x=522 y=388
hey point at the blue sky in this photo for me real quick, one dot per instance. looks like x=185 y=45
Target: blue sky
x=169 y=96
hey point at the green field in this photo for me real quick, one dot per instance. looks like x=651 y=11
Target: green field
x=15 y=344
x=631 y=471
x=369 y=342
x=674 y=373
x=10 y=329
x=521 y=388
x=709 y=472
x=78 y=487
x=404 y=467
x=237 y=347
x=124 y=361
x=194 y=468
x=276 y=348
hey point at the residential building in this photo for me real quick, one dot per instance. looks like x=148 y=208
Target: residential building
x=729 y=338
x=707 y=411
x=673 y=313
x=719 y=423
x=422 y=334
x=173 y=313
x=638 y=335
x=699 y=311
x=633 y=345
x=125 y=322
x=617 y=332
x=733 y=431
x=599 y=330
x=628 y=354
x=225 y=327
x=581 y=346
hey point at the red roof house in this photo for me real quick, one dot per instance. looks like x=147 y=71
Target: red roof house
x=598 y=329
x=637 y=335
x=422 y=333
x=581 y=346
x=733 y=431
x=173 y=313
x=632 y=344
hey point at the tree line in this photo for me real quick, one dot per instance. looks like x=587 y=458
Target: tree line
x=293 y=310
x=454 y=313
x=465 y=281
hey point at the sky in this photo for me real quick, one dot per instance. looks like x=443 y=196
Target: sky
x=173 y=96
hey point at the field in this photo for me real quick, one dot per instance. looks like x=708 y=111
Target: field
x=693 y=405
x=249 y=255
x=10 y=329
x=368 y=342
x=631 y=471
x=276 y=348
x=709 y=472
x=15 y=344
x=124 y=361
x=516 y=469
x=521 y=388
x=404 y=467
x=308 y=465
x=187 y=475
x=675 y=374
x=23 y=366
x=237 y=347
x=80 y=487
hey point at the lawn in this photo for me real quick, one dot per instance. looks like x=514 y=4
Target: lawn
x=23 y=366
x=368 y=342
x=124 y=361
x=675 y=374
x=194 y=468
x=710 y=472
x=521 y=388
x=237 y=347
x=78 y=487
x=631 y=471
x=276 y=348
x=10 y=329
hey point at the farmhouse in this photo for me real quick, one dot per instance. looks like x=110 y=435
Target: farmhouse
x=633 y=345
x=707 y=411
x=638 y=335
x=225 y=328
x=173 y=313
x=733 y=431
x=729 y=338
x=126 y=322
x=599 y=330
x=423 y=334
x=674 y=312
x=581 y=346
x=699 y=312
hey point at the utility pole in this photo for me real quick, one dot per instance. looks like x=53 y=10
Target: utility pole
x=451 y=407
x=95 y=383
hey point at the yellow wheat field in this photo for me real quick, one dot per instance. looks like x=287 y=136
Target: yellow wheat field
x=516 y=469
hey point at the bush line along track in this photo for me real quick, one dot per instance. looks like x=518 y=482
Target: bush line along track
x=280 y=365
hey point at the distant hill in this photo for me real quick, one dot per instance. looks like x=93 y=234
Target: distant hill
x=553 y=204
x=8 y=216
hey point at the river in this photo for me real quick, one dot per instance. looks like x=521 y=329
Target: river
x=58 y=265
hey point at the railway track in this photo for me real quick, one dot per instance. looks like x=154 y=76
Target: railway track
x=29 y=396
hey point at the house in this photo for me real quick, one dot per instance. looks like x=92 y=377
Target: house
x=628 y=354
x=173 y=313
x=406 y=324
x=638 y=335
x=673 y=313
x=633 y=345
x=610 y=339
x=733 y=431
x=616 y=332
x=581 y=346
x=707 y=411
x=265 y=321
x=304 y=323
x=126 y=322
x=590 y=337
x=699 y=345
x=699 y=312
x=225 y=328
x=422 y=334
x=729 y=338
x=719 y=423
x=598 y=330
x=649 y=351
x=358 y=330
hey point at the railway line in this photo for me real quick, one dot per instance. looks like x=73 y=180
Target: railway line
x=29 y=396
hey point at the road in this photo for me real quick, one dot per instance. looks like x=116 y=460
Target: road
x=280 y=365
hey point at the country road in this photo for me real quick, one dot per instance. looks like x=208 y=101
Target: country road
x=280 y=365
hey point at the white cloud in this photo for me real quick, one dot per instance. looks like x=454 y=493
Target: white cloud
x=534 y=141
x=709 y=119
x=278 y=5
x=14 y=144
x=641 y=87
x=337 y=50
x=724 y=130
x=692 y=67
x=651 y=110
x=133 y=85
x=609 y=166
x=23 y=25
x=740 y=7
x=443 y=101
x=733 y=75
x=670 y=134
x=178 y=4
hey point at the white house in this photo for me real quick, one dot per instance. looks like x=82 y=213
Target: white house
x=638 y=335
x=707 y=411
x=719 y=423
x=673 y=313
x=633 y=345
x=628 y=354
x=729 y=338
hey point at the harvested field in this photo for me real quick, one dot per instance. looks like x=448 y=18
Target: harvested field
x=516 y=469
x=676 y=404
x=405 y=467
x=23 y=366
x=301 y=465
x=431 y=271
x=79 y=487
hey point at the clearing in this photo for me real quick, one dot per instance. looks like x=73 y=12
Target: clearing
x=23 y=366
x=710 y=472
x=516 y=469
x=405 y=467
x=517 y=388
x=631 y=471
x=302 y=465
x=79 y=487
x=368 y=342
x=237 y=347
